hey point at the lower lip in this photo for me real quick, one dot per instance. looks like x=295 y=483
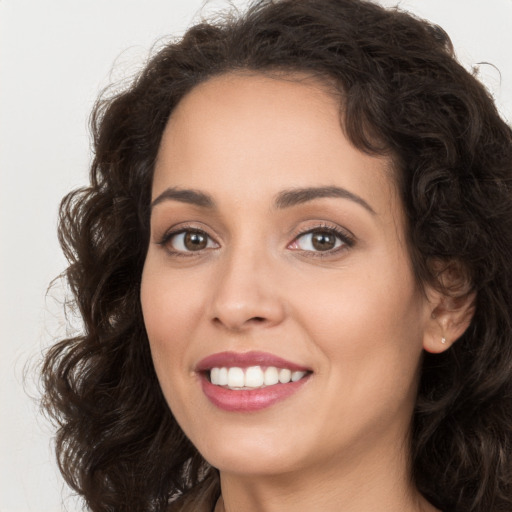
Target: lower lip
x=248 y=400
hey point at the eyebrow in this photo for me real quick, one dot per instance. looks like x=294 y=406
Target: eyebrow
x=285 y=199
x=295 y=196
x=189 y=196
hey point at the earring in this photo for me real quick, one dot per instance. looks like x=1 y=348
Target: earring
x=443 y=340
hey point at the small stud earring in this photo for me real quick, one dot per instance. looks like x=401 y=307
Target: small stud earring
x=443 y=340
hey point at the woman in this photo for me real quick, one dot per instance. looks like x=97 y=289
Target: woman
x=292 y=264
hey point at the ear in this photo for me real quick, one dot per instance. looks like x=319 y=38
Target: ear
x=452 y=307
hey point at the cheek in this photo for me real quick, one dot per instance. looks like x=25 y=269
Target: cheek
x=171 y=312
x=171 y=304
x=368 y=328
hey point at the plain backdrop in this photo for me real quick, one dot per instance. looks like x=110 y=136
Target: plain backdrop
x=55 y=57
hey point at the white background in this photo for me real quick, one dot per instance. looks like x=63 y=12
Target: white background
x=55 y=57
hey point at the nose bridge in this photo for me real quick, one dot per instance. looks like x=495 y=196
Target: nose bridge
x=246 y=292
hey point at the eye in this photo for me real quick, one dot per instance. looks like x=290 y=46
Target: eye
x=321 y=240
x=188 y=240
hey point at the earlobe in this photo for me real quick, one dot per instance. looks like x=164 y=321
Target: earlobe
x=449 y=319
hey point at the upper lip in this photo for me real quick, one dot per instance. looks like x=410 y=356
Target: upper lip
x=246 y=359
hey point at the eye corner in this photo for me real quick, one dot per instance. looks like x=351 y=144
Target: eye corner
x=187 y=241
x=330 y=240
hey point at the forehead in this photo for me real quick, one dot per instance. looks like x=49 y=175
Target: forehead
x=251 y=135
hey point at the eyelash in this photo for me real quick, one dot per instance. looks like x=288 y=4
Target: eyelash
x=346 y=238
x=169 y=235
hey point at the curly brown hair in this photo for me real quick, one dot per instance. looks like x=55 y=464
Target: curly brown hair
x=403 y=94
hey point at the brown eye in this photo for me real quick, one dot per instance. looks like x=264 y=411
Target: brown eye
x=320 y=240
x=195 y=241
x=190 y=240
x=323 y=240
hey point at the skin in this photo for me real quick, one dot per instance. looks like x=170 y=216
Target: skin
x=355 y=315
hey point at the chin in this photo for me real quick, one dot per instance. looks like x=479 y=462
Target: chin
x=251 y=455
x=251 y=463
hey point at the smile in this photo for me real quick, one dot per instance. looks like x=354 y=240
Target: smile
x=253 y=377
x=246 y=382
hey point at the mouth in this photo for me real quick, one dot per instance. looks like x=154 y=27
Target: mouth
x=244 y=382
x=253 y=377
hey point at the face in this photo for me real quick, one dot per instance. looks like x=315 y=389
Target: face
x=278 y=252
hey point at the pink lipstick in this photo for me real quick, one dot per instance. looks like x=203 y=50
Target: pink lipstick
x=246 y=359
x=250 y=381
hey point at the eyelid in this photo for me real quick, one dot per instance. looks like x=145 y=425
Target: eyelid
x=183 y=228
x=347 y=238
x=180 y=227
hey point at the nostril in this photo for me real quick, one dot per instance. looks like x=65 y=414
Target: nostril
x=254 y=319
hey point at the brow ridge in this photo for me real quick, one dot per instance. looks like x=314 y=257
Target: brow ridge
x=189 y=196
x=285 y=199
x=296 y=196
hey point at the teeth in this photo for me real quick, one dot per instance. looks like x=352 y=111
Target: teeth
x=285 y=376
x=223 y=377
x=271 y=376
x=297 y=376
x=236 y=378
x=253 y=377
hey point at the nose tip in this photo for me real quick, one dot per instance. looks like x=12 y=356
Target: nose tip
x=246 y=298
x=245 y=314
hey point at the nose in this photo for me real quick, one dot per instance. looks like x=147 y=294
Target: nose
x=247 y=293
